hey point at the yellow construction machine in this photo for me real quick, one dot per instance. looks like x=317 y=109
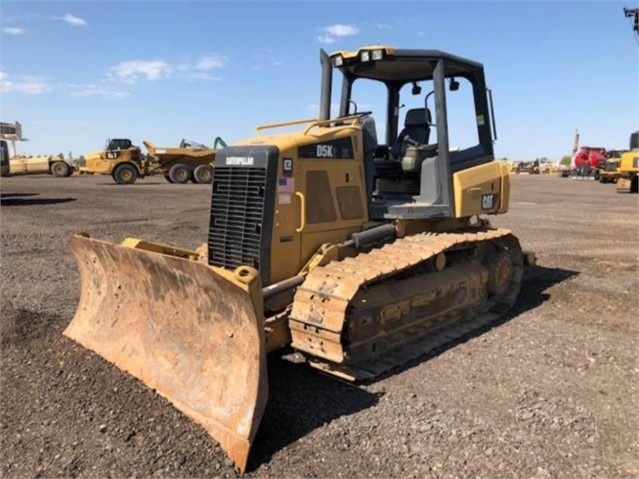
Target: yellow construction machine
x=628 y=169
x=4 y=158
x=125 y=162
x=189 y=161
x=358 y=253
x=121 y=159
x=610 y=171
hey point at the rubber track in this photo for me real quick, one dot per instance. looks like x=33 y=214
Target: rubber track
x=322 y=300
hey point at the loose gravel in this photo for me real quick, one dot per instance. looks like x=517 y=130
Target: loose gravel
x=551 y=391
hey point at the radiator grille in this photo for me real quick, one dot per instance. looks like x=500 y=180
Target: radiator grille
x=237 y=215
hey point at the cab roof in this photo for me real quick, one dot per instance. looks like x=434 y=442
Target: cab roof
x=399 y=65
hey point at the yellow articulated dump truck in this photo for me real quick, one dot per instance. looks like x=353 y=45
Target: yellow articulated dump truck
x=126 y=163
x=628 y=169
x=189 y=161
x=121 y=159
x=356 y=251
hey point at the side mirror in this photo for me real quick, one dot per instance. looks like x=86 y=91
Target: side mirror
x=454 y=85
x=416 y=90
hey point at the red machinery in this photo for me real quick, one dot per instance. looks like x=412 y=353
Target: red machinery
x=588 y=160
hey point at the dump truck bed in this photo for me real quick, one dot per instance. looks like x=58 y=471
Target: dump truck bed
x=189 y=156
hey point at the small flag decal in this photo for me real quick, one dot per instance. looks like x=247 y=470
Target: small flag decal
x=285 y=185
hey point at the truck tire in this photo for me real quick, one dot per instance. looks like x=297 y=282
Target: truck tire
x=180 y=173
x=59 y=169
x=168 y=179
x=202 y=174
x=125 y=174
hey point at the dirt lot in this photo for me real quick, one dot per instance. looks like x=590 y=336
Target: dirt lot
x=552 y=391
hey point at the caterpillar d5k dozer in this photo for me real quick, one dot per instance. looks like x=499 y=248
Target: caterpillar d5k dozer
x=628 y=169
x=357 y=253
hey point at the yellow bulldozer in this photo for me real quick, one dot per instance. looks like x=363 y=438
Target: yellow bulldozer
x=358 y=253
x=628 y=169
x=610 y=171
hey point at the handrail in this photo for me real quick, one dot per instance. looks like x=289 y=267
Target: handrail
x=313 y=123
x=278 y=125
x=333 y=120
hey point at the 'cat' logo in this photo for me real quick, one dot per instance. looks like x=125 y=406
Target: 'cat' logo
x=487 y=202
x=325 y=151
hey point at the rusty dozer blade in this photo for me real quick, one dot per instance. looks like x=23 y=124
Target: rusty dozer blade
x=192 y=332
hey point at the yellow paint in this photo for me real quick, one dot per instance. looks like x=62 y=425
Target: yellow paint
x=473 y=184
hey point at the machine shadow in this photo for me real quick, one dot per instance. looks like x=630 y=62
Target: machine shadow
x=17 y=195
x=135 y=185
x=295 y=387
x=535 y=282
x=19 y=201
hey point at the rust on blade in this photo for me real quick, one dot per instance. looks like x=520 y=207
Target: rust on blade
x=192 y=332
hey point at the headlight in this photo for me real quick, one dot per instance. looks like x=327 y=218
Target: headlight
x=338 y=60
x=378 y=54
x=365 y=56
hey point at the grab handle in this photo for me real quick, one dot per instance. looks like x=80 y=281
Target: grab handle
x=300 y=195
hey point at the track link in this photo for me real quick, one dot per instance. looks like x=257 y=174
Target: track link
x=323 y=309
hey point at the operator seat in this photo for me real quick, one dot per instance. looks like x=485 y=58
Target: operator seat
x=416 y=131
x=369 y=134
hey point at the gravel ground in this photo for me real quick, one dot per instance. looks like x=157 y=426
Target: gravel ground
x=551 y=391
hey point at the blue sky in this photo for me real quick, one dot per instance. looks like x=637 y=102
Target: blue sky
x=75 y=73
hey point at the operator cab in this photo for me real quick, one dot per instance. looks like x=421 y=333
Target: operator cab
x=118 y=144
x=409 y=172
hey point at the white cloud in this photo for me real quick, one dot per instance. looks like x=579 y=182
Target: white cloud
x=23 y=84
x=91 y=89
x=209 y=62
x=129 y=71
x=326 y=39
x=384 y=26
x=13 y=30
x=199 y=76
x=182 y=67
x=333 y=32
x=339 y=30
x=72 y=20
